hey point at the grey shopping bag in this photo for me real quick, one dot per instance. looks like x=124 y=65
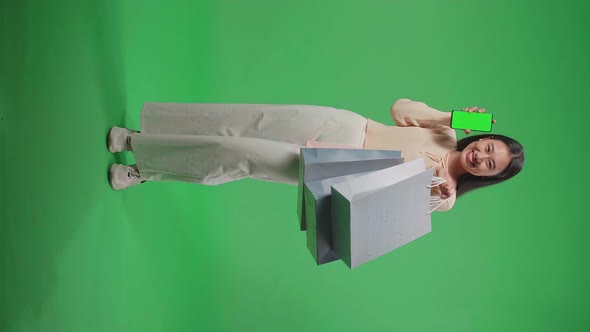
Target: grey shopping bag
x=378 y=212
x=318 y=216
x=321 y=163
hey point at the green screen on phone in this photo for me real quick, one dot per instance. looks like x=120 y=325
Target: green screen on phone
x=471 y=120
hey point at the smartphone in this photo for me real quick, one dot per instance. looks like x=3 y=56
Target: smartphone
x=473 y=121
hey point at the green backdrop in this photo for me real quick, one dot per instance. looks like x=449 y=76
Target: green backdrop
x=168 y=256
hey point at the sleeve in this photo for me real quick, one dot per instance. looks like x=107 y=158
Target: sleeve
x=409 y=113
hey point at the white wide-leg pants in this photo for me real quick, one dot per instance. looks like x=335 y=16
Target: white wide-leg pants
x=216 y=143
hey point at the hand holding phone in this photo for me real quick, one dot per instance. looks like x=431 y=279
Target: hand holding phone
x=469 y=120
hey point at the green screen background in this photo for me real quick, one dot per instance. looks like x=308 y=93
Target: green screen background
x=166 y=256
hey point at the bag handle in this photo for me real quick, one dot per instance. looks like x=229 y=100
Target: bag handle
x=436 y=200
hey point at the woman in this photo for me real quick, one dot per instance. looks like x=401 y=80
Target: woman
x=216 y=143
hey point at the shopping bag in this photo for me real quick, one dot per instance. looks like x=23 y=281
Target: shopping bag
x=321 y=163
x=378 y=212
x=318 y=216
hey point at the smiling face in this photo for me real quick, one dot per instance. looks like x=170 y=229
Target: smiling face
x=485 y=157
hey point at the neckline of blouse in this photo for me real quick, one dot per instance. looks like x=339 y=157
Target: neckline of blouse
x=443 y=161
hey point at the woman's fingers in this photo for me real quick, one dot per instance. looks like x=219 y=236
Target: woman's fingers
x=473 y=109
x=446 y=192
x=467 y=131
x=445 y=188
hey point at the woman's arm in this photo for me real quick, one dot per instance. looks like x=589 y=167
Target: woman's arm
x=409 y=113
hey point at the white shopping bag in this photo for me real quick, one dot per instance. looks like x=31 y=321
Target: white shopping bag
x=376 y=213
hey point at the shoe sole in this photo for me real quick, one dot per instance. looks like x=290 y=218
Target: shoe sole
x=111 y=176
x=109 y=141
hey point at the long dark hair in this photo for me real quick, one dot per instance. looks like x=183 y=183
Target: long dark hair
x=469 y=182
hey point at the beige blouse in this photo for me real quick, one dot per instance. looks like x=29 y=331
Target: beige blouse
x=421 y=132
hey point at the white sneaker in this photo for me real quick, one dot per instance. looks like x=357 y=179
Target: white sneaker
x=123 y=176
x=119 y=139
